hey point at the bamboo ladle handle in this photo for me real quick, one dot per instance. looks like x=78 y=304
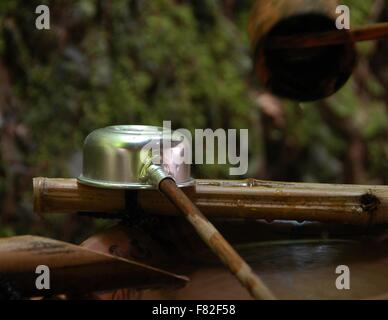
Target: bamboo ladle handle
x=310 y=40
x=215 y=241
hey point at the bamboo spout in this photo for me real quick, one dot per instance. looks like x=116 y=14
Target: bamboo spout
x=246 y=199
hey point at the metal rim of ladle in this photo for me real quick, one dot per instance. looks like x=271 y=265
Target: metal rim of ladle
x=128 y=186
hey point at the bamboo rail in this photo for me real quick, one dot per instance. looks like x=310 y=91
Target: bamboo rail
x=74 y=269
x=245 y=199
x=310 y=40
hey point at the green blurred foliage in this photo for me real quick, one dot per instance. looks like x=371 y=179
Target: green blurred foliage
x=131 y=65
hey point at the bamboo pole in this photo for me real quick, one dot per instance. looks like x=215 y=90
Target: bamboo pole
x=216 y=242
x=310 y=40
x=246 y=199
x=74 y=269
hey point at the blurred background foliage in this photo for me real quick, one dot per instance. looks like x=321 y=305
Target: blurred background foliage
x=188 y=61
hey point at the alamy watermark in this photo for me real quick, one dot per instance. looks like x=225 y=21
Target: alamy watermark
x=42 y=282
x=42 y=22
x=343 y=20
x=343 y=280
x=207 y=146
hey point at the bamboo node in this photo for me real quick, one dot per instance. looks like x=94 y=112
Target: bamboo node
x=369 y=202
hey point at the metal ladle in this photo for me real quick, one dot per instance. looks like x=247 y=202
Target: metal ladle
x=118 y=157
